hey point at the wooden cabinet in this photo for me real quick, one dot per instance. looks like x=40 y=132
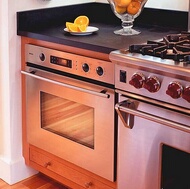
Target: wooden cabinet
x=64 y=170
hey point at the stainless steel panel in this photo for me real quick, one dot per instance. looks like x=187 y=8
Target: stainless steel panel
x=33 y=53
x=140 y=148
x=100 y=158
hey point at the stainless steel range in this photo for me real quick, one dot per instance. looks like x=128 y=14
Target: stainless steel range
x=153 y=85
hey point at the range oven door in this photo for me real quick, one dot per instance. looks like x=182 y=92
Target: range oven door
x=144 y=126
x=71 y=119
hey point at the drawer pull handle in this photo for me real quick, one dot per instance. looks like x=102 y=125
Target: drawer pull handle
x=47 y=164
x=88 y=184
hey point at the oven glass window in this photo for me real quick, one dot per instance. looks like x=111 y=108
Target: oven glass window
x=68 y=119
x=175 y=168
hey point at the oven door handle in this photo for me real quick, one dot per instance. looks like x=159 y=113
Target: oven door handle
x=101 y=93
x=126 y=111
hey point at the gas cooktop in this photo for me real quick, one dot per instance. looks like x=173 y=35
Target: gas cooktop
x=170 y=52
x=175 y=47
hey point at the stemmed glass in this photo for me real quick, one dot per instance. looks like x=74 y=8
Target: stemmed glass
x=127 y=11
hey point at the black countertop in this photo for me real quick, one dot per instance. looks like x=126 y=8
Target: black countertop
x=49 y=24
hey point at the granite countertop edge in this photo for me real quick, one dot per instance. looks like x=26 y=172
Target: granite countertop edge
x=67 y=42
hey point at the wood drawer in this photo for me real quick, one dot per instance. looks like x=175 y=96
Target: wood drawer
x=66 y=171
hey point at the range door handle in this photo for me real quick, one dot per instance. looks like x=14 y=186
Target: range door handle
x=126 y=111
x=100 y=94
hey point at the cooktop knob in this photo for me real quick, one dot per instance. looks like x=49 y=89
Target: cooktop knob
x=174 y=90
x=186 y=94
x=42 y=57
x=152 y=84
x=85 y=67
x=137 y=80
x=99 y=71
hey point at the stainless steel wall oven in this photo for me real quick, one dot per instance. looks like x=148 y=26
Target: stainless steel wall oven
x=70 y=107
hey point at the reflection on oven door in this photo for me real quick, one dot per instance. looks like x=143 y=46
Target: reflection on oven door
x=67 y=118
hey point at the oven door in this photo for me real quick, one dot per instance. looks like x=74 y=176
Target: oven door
x=71 y=119
x=144 y=125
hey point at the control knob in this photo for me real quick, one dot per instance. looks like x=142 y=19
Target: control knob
x=174 y=90
x=137 y=80
x=99 y=71
x=85 y=67
x=42 y=56
x=152 y=84
x=186 y=94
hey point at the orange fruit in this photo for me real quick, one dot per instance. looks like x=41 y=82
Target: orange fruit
x=133 y=7
x=82 y=20
x=73 y=27
x=79 y=25
x=120 y=10
x=67 y=24
x=82 y=28
x=122 y=3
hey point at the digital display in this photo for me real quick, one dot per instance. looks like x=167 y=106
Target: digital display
x=61 y=61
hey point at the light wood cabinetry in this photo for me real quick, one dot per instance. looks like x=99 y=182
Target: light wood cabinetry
x=72 y=173
x=47 y=163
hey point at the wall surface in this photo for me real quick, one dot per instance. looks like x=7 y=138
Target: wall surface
x=11 y=160
x=38 y=4
x=179 y=5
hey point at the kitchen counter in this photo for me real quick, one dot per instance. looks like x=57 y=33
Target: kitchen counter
x=50 y=26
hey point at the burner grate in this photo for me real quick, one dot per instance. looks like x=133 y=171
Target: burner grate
x=174 y=46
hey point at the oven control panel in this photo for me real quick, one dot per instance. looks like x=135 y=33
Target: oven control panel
x=153 y=85
x=87 y=67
